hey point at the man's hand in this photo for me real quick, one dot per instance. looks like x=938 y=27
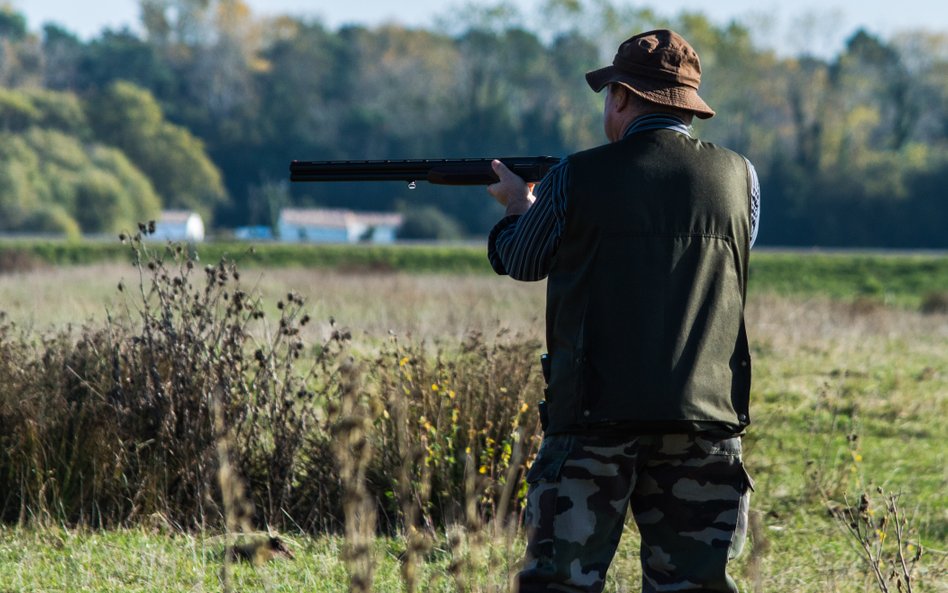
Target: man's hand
x=511 y=191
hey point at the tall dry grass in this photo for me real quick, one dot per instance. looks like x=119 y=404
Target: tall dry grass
x=119 y=419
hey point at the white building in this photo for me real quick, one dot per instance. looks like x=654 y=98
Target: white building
x=319 y=225
x=179 y=225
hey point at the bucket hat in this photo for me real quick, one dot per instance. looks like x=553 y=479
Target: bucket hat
x=658 y=66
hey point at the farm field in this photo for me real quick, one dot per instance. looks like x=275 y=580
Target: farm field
x=849 y=399
x=897 y=278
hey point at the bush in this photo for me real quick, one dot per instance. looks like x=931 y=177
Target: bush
x=188 y=404
x=128 y=419
x=14 y=261
x=460 y=425
x=935 y=302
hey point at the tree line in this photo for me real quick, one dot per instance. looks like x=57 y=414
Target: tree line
x=205 y=106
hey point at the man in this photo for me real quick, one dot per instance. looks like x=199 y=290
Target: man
x=645 y=243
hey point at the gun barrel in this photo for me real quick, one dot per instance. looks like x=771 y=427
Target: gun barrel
x=440 y=171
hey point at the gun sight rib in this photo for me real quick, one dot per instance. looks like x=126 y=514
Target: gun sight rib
x=468 y=171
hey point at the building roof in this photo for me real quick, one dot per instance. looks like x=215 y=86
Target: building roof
x=175 y=216
x=337 y=217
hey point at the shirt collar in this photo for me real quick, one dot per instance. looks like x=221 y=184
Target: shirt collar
x=657 y=121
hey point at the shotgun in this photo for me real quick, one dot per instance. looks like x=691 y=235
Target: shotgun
x=440 y=171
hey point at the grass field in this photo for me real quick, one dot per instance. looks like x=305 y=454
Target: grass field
x=903 y=279
x=850 y=395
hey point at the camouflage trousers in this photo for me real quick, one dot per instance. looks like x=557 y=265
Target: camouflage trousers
x=688 y=493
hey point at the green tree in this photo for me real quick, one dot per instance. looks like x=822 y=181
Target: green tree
x=62 y=52
x=122 y=55
x=19 y=176
x=873 y=75
x=20 y=52
x=55 y=178
x=59 y=111
x=17 y=112
x=305 y=91
x=177 y=23
x=129 y=118
x=403 y=91
x=54 y=183
x=95 y=184
x=53 y=219
x=578 y=110
x=12 y=24
x=100 y=202
x=925 y=56
x=140 y=201
x=744 y=85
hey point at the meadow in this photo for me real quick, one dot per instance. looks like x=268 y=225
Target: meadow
x=415 y=419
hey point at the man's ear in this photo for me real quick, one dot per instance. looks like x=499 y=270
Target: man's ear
x=620 y=98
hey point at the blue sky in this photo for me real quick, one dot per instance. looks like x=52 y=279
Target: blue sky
x=821 y=25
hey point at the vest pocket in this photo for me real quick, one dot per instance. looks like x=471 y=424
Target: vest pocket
x=730 y=446
x=554 y=450
x=743 y=515
x=566 y=391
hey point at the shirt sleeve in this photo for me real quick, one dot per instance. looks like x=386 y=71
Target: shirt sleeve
x=523 y=246
x=755 y=202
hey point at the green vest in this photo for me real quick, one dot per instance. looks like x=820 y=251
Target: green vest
x=645 y=297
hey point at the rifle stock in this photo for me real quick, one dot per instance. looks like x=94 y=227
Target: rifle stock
x=439 y=171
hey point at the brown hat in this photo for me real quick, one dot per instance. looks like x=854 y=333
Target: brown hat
x=658 y=66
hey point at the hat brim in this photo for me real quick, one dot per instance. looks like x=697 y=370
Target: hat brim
x=661 y=92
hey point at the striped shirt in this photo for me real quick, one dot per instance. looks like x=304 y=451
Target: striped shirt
x=523 y=245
